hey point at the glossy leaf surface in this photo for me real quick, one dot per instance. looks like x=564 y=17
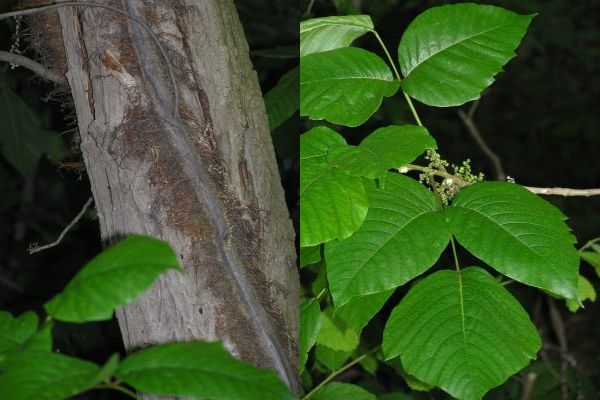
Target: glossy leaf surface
x=199 y=369
x=450 y=54
x=343 y=86
x=463 y=332
x=328 y=33
x=518 y=233
x=114 y=278
x=333 y=204
x=401 y=237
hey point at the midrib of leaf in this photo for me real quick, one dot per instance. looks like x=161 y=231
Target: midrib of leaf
x=530 y=249
x=462 y=316
x=460 y=41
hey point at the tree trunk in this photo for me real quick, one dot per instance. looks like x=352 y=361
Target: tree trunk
x=201 y=176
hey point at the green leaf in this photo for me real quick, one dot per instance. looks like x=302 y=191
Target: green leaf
x=402 y=236
x=586 y=292
x=315 y=144
x=199 y=369
x=344 y=86
x=23 y=140
x=357 y=312
x=331 y=359
x=309 y=255
x=385 y=148
x=591 y=258
x=517 y=233
x=450 y=54
x=114 y=278
x=283 y=100
x=335 y=334
x=333 y=204
x=328 y=33
x=45 y=376
x=310 y=324
x=410 y=380
x=14 y=332
x=463 y=332
x=346 y=391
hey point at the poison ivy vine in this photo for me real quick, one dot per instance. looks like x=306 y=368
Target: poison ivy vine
x=372 y=228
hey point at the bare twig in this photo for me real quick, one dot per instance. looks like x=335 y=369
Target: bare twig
x=144 y=25
x=528 y=385
x=559 y=330
x=33 y=66
x=35 y=249
x=467 y=119
x=564 y=191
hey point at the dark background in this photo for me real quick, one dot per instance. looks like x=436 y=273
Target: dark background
x=541 y=117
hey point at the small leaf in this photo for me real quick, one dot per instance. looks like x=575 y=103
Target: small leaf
x=23 y=140
x=45 y=376
x=463 y=332
x=402 y=236
x=450 y=54
x=309 y=255
x=343 y=86
x=114 y=278
x=335 y=334
x=328 y=33
x=310 y=325
x=517 y=233
x=283 y=100
x=14 y=332
x=346 y=391
x=359 y=310
x=385 y=148
x=199 y=369
x=586 y=292
x=333 y=204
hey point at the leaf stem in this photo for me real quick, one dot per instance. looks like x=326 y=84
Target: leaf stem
x=456 y=265
x=118 y=388
x=339 y=371
x=589 y=243
x=399 y=77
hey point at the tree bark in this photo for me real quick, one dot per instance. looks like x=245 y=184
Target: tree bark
x=202 y=176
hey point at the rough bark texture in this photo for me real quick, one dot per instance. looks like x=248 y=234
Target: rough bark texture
x=202 y=177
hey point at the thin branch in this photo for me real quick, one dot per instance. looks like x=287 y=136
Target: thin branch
x=467 y=119
x=35 y=249
x=558 y=327
x=339 y=371
x=567 y=192
x=528 y=386
x=33 y=66
x=144 y=25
